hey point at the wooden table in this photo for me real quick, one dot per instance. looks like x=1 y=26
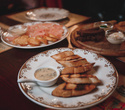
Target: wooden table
x=11 y=60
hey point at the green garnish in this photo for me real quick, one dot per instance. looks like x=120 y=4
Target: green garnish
x=103 y=26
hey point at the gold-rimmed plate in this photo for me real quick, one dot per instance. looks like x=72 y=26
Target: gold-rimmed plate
x=103 y=69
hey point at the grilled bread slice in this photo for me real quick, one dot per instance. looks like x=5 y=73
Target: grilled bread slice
x=70 y=90
x=61 y=55
x=77 y=69
x=80 y=79
x=74 y=62
x=71 y=57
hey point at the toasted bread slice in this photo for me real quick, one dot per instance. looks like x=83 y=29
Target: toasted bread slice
x=69 y=90
x=77 y=69
x=74 y=62
x=71 y=57
x=22 y=40
x=33 y=41
x=42 y=39
x=51 y=39
x=80 y=79
x=62 y=55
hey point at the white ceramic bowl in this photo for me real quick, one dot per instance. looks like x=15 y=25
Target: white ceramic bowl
x=42 y=82
x=17 y=29
x=114 y=36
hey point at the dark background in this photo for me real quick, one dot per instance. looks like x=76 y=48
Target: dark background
x=99 y=9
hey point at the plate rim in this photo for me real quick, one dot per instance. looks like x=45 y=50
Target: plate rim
x=86 y=106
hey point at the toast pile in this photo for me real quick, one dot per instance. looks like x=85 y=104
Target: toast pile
x=76 y=81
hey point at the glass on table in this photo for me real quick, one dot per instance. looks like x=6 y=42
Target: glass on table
x=104 y=25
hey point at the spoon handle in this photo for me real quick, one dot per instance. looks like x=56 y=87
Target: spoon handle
x=25 y=80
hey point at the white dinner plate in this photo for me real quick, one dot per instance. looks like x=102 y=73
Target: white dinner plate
x=65 y=33
x=103 y=69
x=47 y=14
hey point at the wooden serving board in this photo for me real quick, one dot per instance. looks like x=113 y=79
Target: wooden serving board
x=102 y=47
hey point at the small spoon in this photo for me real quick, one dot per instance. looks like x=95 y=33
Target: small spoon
x=39 y=82
x=27 y=80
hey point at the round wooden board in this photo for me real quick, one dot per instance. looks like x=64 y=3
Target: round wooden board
x=102 y=47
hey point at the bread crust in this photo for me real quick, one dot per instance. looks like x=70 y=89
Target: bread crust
x=71 y=57
x=61 y=55
x=75 y=62
x=80 y=79
x=78 y=69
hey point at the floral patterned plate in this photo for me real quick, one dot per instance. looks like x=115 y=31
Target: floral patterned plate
x=47 y=14
x=103 y=69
